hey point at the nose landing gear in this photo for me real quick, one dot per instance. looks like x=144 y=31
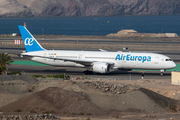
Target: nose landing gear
x=162 y=71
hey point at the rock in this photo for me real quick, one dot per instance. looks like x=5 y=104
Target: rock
x=114 y=86
x=29 y=117
x=106 y=89
x=20 y=118
x=69 y=8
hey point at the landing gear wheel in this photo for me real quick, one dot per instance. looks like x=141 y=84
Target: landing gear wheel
x=162 y=71
x=87 y=72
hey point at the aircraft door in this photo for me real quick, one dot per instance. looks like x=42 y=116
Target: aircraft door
x=81 y=56
x=156 y=61
x=163 y=62
x=45 y=59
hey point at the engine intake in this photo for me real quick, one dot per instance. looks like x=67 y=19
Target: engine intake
x=101 y=67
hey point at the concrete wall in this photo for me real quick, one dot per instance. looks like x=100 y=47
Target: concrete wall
x=175 y=78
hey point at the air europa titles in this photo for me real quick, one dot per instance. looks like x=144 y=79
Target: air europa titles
x=129 y=57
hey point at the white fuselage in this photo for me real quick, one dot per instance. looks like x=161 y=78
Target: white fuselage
x=121 y=60
x=99 y=61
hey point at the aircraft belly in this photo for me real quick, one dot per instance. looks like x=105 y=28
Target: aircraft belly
x=148 y=66
x=61 y=63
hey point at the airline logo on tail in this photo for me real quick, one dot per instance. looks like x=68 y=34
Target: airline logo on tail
x=31 y=44
x=28 y=41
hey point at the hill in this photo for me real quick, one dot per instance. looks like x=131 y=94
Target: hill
x=69 y=8
x=89 y=100
x=55 y=100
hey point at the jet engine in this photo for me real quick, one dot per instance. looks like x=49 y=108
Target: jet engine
x=101 y=67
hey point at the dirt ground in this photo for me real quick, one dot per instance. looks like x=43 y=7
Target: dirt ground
x=83 y=99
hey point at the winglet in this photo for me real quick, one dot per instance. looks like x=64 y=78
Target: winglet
x=30 y=43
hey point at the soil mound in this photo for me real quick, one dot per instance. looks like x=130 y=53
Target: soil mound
x=79 y=99
x=55 y=100
x=164 y=102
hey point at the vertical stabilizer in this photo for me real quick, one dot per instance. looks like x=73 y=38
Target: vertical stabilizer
x=31 y=44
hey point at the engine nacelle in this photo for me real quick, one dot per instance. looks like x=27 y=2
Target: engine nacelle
x=101 y=67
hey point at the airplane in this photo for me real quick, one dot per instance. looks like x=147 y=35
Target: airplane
x=94 y=61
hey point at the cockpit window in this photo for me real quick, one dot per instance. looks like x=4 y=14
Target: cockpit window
x=168 y=60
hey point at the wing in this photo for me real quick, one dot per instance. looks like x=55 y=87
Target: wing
x=83 y=62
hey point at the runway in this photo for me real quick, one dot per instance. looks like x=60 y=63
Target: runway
x=120 y=75
x=103 y=40
x=114 y=74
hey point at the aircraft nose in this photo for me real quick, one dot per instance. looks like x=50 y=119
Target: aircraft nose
x=173 y=65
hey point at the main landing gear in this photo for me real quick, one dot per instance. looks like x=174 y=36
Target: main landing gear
x=87 y=72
